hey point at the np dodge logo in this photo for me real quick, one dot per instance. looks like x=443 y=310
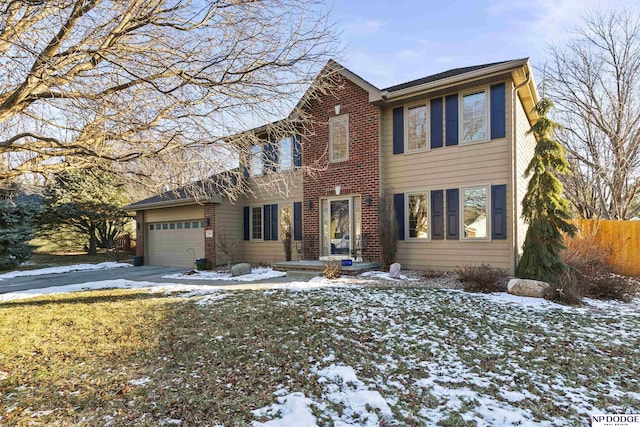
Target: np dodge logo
x=619 y=420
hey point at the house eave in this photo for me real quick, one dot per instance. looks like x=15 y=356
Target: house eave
x=172 y=203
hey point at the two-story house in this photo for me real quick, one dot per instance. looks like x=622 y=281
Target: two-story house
x=449 y=149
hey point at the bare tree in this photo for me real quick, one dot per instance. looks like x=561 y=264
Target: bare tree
x=98 y=82
x=594 y=81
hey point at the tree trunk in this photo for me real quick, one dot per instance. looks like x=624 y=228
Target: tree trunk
x=93 y=242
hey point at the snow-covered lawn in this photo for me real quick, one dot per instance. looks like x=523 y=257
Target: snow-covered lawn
x=63 y=269
x=336 y=353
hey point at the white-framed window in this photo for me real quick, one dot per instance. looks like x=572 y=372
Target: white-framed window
x=474 y=209
x=474 y=116
x=339 y=138
x=285 y=153
x=416 y=128
x=256 y=223
x=257 y=159
x=417 y=207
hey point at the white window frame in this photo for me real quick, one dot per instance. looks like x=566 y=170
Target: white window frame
x=253 y=157
x=487 y=188
x=261 y=208
x=485 y=90
x=427 y=142
x=290 y=154
x=407 y=232
x=338 y=119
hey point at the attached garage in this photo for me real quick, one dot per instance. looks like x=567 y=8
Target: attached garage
x=175 y=243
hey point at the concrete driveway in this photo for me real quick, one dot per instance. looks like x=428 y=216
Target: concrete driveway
x=142 y=273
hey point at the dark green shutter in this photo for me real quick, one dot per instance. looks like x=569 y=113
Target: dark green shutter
x=245 y=211
x=437 y=215
x=451 y=120
x=274 y=222
x=297 y=221
x=398 y=206
x=297 y=151
x=436 y=123
x=266 y=222
x=398 y=130
x=452 y=214
x=498 y=111
x=499 y=212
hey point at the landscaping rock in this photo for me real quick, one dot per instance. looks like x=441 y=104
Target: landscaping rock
x=527 y=288
x=241 y=269
x=394 y=270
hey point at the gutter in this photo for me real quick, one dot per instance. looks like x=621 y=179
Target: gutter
x=514 y=162
x=171 y=203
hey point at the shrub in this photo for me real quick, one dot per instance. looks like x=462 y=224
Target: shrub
x=585 y=255
x=482 y=278
x=331 y=270
x=567 y=288
x=611 y=286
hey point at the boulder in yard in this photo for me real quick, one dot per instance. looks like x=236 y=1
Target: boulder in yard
x=241 y=269
x=528 y=288
x=394 y=270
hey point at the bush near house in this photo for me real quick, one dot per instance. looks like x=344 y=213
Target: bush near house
x=482 y=278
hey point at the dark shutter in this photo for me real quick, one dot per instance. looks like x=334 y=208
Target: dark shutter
x=297 y=151
x=452 y=214
x=398 y=206
x=245 y=171
x=398 y=130
x=499 y=212
x=266 y=157
x=246 y=222
x=297 y=221
x=275 y=154
x=498 y=111
x=436 y=123
x=451 y=120
x=437 y=215
x=266 y=221
x=274 y=222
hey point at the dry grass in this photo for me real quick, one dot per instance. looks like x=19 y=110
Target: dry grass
x=482 y=278
x=331 y=270
x=583 y=254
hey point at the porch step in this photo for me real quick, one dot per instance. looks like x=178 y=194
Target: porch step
x=303 y=274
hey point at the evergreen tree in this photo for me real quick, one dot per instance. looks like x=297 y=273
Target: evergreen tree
x=16 y=229
x=543 y=207
x=89 y=202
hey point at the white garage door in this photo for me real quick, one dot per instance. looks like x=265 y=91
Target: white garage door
x=175 y=243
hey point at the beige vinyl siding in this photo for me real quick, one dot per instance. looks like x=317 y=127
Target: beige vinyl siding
x=174 y=214
x=229 y=230
x=484 y=163
x=524 y=152
x=267 y=251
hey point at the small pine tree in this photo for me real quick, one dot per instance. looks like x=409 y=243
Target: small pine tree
x=15 y=232
x=543 y=206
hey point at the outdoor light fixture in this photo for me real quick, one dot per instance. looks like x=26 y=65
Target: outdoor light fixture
x=367 y=200
x=337 y=107
x=338 y=189
x=309 y=204
x=208 y=222
x=137 y=226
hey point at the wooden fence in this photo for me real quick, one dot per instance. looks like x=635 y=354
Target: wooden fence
x=620 y=239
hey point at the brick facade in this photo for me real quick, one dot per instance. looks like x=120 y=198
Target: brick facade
x=358 y=176
x=210 y=226
x=140 y=229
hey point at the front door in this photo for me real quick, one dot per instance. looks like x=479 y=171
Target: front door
x=339 y=226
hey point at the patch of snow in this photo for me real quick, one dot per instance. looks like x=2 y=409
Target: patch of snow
x=140 y=381
x=261 y=273
x=64 y=269
x=291 y=409
x=385 y=276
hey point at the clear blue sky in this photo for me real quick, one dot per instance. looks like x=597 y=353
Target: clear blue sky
x=392 y=41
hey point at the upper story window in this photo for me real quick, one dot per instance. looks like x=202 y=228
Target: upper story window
x=256 y=223
x=285 y=153
x=475 y=214
x=416 y=128
x=418 y=216
x=475 y=116
x=339 y=138
x=257 y=160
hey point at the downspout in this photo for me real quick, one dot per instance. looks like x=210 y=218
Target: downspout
x=514 y=163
